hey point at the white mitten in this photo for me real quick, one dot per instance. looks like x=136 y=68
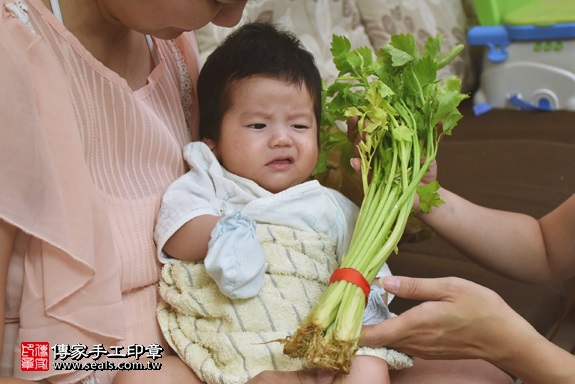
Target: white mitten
x=376 y=309
x=235 y=259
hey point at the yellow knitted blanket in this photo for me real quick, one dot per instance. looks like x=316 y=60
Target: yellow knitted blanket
x=229 y=341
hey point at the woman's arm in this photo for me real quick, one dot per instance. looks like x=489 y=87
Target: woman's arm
x=190 y=242
x=7 y=238
x=513 y=244
x=463 y=320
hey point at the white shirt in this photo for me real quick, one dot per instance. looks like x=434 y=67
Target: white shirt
x=210 y=189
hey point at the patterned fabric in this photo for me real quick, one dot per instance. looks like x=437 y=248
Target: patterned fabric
x=422 y=18
x=313 y=21
x=364 y=22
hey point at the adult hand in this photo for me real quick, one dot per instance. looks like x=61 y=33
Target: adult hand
x=355 y=138
x=293 y=377
x=459 y=320
x=429 y=177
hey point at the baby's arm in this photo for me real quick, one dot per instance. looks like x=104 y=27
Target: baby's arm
x=190 y=242
x=190 y=208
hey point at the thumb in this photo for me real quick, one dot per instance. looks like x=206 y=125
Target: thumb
x=355 y=163
x=387 y=333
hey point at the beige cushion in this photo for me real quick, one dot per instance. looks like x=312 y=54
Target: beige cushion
x=314 y=22
x=364 y=22
x=422 y=18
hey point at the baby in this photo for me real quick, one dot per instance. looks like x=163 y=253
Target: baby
x=249 y=241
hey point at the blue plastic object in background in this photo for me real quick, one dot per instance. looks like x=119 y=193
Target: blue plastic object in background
x=543 y=105
x=480 y=109
x=496 y=38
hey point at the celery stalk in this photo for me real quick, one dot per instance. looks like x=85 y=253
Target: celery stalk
x=399 y=101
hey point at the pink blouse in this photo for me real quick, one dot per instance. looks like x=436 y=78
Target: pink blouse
x=84 y=161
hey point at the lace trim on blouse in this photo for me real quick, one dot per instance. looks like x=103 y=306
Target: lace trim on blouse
x=185 y=80
x=19 y=10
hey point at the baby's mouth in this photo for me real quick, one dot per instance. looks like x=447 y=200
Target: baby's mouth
x=281 y=161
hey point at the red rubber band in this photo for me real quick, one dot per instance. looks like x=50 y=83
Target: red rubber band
x=353 y=276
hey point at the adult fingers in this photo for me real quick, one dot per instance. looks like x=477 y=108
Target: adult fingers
x=355 y=164
x=352 y=130
x=419 y=289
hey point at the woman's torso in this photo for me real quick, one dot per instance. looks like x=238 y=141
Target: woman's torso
x=131 y=142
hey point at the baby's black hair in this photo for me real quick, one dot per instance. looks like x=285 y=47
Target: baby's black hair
x=256 y=48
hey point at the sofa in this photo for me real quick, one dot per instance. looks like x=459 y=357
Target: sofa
x=504 y=159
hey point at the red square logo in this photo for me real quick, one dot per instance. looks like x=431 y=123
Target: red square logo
x=35 y=356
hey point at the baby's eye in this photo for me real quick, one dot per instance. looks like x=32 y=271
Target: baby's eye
x=300 y=126
x=257 y=126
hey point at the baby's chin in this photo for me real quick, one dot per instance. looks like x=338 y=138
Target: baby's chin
x=276 y=187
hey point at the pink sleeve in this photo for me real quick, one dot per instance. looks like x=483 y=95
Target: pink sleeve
x=47 y=192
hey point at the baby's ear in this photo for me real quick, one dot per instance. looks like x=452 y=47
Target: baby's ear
x=212 y=145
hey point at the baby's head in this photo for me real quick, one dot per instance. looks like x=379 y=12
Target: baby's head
x=260 y=104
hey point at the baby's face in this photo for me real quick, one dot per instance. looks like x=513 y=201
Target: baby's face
x=269 y=133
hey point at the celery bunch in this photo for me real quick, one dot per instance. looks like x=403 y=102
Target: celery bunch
x=400 y=103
